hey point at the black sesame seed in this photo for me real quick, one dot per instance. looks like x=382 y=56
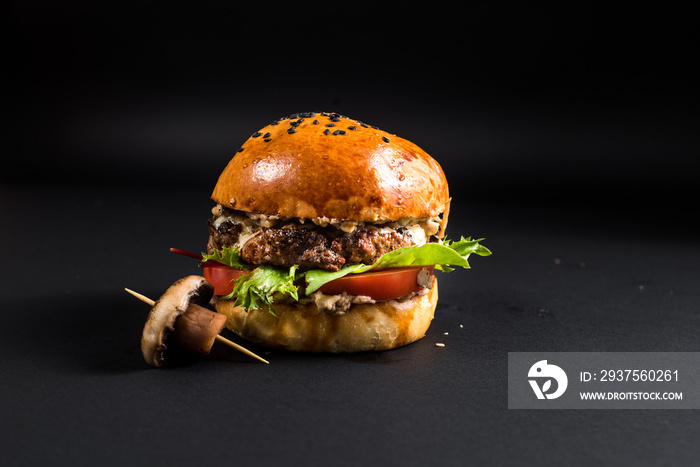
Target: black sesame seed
x=339 y=132
x=267 y=135
x=386 y=140
x=267 y=140
x=330 y=124
x=335 y=118
x=256 y=134
x=274 y=122
x=326 y=131
x=352 y=128
x=315 y=122
x=240 y=149
x=291 y=130
x=294 y=123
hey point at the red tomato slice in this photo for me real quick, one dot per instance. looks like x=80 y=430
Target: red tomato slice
x=381 y=285
x=223 y=278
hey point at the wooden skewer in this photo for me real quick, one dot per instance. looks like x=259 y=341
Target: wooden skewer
x=219 y=338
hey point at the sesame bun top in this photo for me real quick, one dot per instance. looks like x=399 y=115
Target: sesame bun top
x=324 y=165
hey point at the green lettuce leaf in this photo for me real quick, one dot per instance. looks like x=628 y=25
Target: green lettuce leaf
x=227 y=256
x=441 y=255
x=260 y=286
x=264 y=282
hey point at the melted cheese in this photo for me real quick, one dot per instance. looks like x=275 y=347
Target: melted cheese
x=249 y=228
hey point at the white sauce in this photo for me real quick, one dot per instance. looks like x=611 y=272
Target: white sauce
x=419 y=229
x=337 y=304
x=249 y=227
x=425 y=279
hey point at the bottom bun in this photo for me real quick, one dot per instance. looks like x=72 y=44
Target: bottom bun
x=364 y=327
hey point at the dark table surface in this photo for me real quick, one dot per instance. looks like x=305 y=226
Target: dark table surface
x=569 y=139
x=76 y=391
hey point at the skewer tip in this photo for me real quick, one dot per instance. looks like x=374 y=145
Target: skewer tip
x=241 y=349
x=141 y=297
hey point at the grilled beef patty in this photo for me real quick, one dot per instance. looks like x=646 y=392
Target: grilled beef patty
x=310 y=246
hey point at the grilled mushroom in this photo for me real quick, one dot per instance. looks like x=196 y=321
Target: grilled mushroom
x=197 y=327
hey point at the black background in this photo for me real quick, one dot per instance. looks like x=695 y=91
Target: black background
x=569 y=138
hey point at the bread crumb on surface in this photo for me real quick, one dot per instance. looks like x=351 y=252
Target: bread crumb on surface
x=439 y=344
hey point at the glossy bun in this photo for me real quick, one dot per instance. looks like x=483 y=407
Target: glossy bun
x=321 y=165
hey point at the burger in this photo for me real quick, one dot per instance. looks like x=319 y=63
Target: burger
x=326 y=236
